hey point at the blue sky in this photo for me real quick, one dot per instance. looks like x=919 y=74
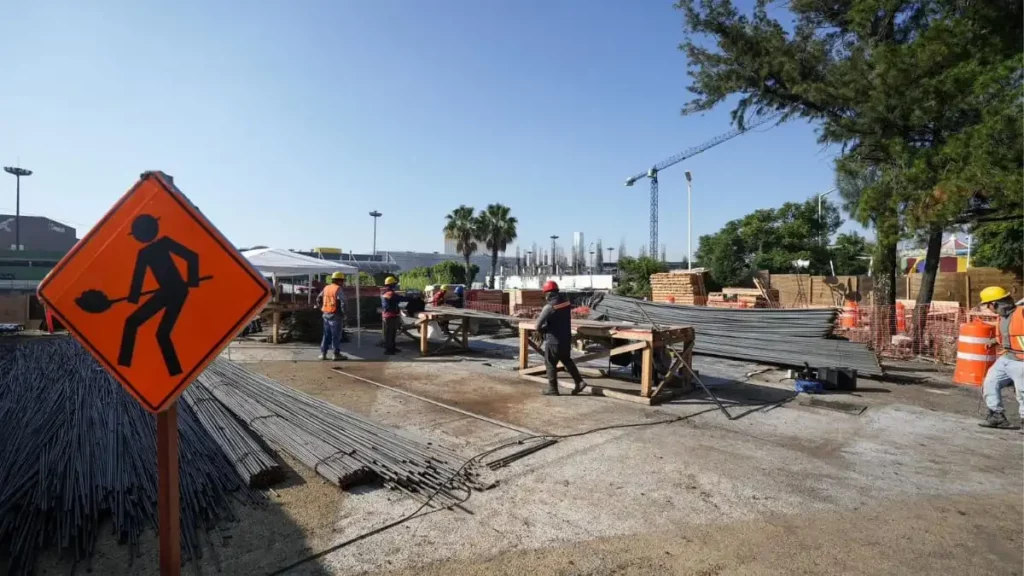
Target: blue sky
x=287 y=122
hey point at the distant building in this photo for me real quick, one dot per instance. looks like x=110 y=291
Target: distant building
x=451 y=246
x=36 y=234
x=398 y=262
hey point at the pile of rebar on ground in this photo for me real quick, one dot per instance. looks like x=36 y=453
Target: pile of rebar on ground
x=76 y=449
x=788 y=337
x=342 y=447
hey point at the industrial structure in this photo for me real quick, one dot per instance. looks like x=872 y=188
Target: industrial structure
x=652 y=172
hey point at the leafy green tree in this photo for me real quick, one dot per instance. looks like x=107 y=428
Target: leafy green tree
x=925 y=92
x=497 y=228
x=461 y=226
x=850 y=253
x=635 y=275
x=769 y=239
x=451 y=272
x=1000 y=245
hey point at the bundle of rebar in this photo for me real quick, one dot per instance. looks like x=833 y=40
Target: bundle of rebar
x=77 y=449
x=787 y=337
x=341 y=446
x=253 y=464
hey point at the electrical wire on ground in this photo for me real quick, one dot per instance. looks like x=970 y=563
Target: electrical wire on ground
x=416 y=513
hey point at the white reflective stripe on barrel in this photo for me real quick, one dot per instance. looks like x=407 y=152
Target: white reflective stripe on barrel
x=977 y=357
x=977 y=340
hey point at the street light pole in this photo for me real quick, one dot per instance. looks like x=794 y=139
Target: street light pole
x=554 y=267
x=17 y=172
x=689 y=220
x=375 y=215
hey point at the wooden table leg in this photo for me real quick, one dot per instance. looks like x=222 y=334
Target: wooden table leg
x=647 y=371
x=465 y=333
x=275 y=328
x=524 y=348
x=424 y=343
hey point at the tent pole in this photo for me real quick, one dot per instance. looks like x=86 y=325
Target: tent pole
x=359 y=316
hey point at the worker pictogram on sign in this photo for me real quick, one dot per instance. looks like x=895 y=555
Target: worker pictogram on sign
x=154 y=291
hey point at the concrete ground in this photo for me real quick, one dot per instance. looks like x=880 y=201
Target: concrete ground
x=911 y=485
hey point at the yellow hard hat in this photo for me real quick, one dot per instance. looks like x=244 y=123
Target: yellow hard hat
x=992 y=294
x=390 y=280
x=338 y=276
x=444 y=287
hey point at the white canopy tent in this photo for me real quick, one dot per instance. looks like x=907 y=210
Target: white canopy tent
x=274 y=262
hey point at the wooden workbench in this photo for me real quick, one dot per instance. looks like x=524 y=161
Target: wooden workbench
x=620 y=338
x=457 y=332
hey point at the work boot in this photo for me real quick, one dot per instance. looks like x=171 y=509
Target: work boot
x=578 y=387
x=323 y=355
x=339 y=356
x=551 y=390
x=995 y=420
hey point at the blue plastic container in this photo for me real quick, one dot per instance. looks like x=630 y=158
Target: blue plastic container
x=809 y=386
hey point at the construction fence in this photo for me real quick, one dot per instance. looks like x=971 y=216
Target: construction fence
x=802 y=290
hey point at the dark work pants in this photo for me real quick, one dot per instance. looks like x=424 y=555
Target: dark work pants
x=553 y=354
x=391 y=333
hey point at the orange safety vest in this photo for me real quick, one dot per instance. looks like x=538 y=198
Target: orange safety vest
x=1011 y=333
x=330 y=296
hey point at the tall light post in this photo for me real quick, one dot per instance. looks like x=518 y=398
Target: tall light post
x=529 y=261
x=591 y=264
x=375 y=215
x=820 y=196
x=17 y=172
x=689 y=220
x=554 y=267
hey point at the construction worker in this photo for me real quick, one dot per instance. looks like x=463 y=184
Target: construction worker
x=331 y=302
x=459 y=299
x=392 y=316
x=555 y=324
x=1008 y=368
x=438 y=298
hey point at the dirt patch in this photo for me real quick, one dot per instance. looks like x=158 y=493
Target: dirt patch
x=980 y=535
x=298 y=518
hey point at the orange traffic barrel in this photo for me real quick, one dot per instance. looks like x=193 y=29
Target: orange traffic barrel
x=901 y=318
x=975 y=352
x=850 y=315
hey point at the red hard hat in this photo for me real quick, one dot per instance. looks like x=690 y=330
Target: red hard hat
x=550 y=286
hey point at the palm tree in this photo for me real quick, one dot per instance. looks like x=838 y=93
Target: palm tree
x=461 y=226
x=496 y=227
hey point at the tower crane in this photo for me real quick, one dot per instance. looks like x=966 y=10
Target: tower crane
x=652 y=173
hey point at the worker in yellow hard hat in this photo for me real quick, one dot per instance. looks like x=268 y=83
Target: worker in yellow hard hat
x=438 y=298
x=1009 y=367
x=331 y=302
x=391 y=314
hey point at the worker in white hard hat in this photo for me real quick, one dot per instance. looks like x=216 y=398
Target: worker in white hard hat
x=331 y=301
x=1009 y=367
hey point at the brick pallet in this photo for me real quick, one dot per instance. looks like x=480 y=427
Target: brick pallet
x=679 y=287
x=525 y=301
x=726 y=300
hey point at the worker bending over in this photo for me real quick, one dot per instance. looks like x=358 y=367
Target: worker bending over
x=331 y=301
x=1009 y=368
x=555 y=325
x=438 y=298
x=389 y=301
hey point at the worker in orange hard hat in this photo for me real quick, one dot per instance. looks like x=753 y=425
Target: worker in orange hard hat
x=555 y=323
x=331 y=301
x=1009 y=367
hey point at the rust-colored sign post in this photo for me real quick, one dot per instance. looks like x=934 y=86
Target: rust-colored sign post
x=169 y=497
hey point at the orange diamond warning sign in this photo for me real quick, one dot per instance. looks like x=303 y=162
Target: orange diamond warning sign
x=154 y=291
